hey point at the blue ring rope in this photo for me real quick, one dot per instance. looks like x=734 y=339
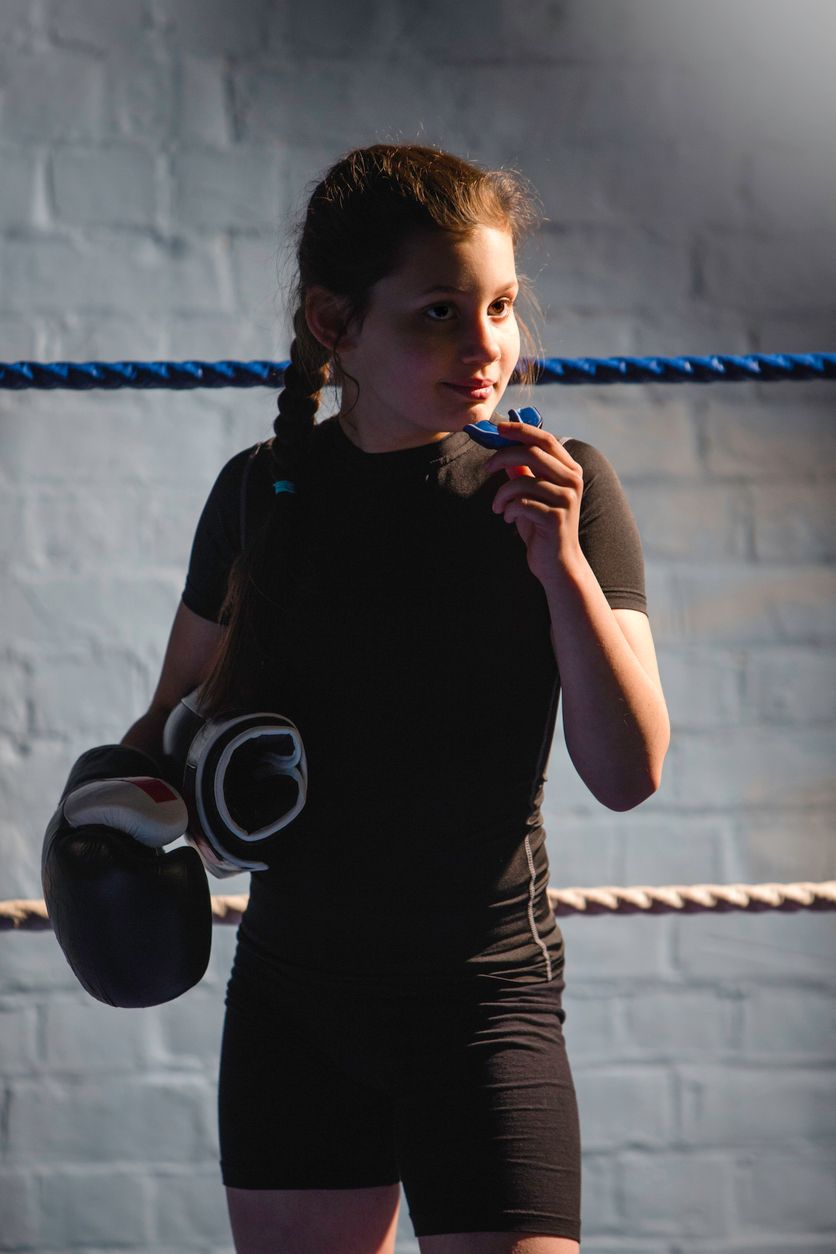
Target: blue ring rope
x=181 y=375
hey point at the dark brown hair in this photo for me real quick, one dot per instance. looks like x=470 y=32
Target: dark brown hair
x=357 y=224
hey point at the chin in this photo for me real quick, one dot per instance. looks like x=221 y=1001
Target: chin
x=478 y=413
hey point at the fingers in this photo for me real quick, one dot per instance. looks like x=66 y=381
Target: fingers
x=551 y=495
x=537 y=452
x=540 y=457
x=541 y=474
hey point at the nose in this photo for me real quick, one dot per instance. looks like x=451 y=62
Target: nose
x=480 y=341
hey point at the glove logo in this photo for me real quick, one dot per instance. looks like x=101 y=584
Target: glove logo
x=157 y=789
x=244 y=779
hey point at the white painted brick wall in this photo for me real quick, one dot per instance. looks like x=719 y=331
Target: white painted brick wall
x=152 y=152
x=104 y=185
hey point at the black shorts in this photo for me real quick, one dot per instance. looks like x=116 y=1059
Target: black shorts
x=460 y=1088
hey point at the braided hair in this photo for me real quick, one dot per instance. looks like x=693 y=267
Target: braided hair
x=299 y=398
x=357 y=225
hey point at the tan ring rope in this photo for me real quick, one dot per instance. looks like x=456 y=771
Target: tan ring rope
x=31 y=916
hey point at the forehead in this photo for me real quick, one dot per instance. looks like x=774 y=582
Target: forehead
x=483 y=256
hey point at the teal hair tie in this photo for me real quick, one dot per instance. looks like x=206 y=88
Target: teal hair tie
x=283 y=485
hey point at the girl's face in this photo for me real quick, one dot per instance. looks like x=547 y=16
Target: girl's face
x=438 y=344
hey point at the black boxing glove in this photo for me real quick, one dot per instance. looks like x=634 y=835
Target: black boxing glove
x=244 y=779
x=134 y=922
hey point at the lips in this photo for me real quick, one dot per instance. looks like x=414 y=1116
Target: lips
x=476 y=389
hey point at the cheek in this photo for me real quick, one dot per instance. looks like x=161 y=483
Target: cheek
x=511 y=344
x=410 y=349
x=408 y=372
x=417 y=354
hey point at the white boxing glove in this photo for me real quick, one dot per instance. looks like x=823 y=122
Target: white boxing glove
x=244 y=779
x=146 y=808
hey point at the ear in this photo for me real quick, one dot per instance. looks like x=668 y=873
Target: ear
x=327 y=318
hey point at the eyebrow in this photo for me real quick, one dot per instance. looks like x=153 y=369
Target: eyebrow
x=460 y=290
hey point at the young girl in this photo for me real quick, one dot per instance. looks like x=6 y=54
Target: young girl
x=394 y=1010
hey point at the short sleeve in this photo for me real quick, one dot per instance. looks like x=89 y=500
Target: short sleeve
x=609 y=536
x=217 y=541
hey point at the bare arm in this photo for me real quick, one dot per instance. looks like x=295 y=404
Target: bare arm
x=615 y=719
x=191 y=649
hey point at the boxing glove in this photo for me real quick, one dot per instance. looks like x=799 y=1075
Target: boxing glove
x=134 y=921
x=244 y=779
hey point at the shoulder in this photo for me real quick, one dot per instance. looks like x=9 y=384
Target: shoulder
x=255 y=468
x=608 y=530
x=229 y=477
x=251 y=467
x=243 y=477
x=242 y=463
x=600 y=477
x=590 y=458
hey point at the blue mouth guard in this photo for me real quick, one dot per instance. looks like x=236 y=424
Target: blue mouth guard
x=486 y=434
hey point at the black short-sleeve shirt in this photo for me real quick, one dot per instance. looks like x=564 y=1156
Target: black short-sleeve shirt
x=421 y=674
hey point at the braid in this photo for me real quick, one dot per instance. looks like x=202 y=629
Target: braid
x=298 y=401
x=262 y=571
